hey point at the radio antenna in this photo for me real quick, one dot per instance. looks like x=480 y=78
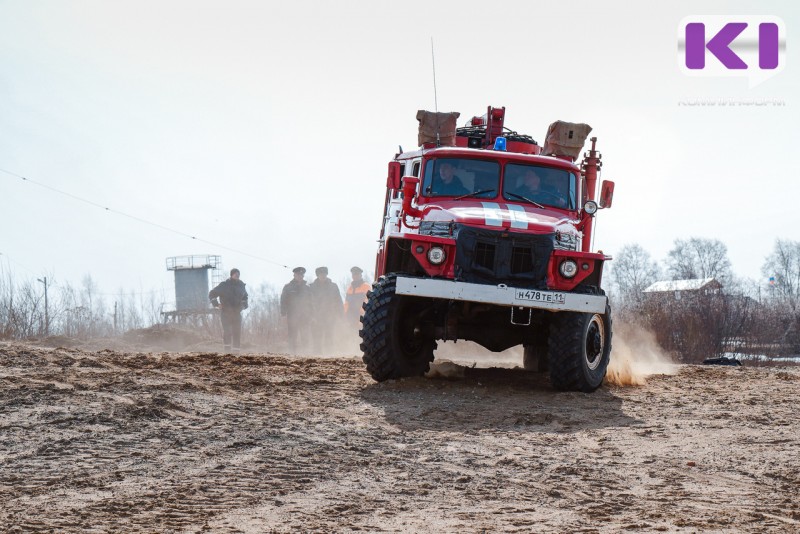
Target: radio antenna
x=435 y=97
x=433 y=62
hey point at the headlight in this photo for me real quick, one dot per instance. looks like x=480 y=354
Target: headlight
x=436 y=255
x=565 y=241
x=568 y=268
x=590 y=207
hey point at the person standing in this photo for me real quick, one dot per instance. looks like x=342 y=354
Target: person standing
x=296 y=307
x=327 y=309
x=355 y=297
x=230 y=297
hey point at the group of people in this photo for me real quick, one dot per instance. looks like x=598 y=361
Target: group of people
x=314 y=312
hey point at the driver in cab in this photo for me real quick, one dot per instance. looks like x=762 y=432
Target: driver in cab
x=447 y=183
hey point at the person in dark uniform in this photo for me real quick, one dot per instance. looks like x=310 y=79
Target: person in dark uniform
x=327 y=310
x=230 y=297
x=296 y=307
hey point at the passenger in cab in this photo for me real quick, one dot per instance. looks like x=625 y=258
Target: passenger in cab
x=530 y=185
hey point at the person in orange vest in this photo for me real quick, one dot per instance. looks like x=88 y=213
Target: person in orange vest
x=355 y=297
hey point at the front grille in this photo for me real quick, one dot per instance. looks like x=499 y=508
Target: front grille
x=436 y=228
x=502 y=257
x=521 y=260
x=484 y=255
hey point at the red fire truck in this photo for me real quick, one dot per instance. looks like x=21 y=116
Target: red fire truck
x=487 y=237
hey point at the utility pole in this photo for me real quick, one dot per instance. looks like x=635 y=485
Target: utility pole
x=46 y=312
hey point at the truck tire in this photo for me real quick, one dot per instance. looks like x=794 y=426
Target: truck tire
x=534 y=353
x=579 y=351
x=392 y=337
x=534 y=359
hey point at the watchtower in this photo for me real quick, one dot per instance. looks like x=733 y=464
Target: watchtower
x=192 y=276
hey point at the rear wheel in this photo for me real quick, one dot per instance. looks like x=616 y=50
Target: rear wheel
x=534 y=355
x=580 y=347
x=534 y=359
x=393 y=336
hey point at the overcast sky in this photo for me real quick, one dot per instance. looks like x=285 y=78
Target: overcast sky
x=267 y=127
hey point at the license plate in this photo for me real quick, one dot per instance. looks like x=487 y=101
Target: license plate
x=540 y=296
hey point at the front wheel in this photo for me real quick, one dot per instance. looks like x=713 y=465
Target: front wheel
x=579 y=351
x=394 y=339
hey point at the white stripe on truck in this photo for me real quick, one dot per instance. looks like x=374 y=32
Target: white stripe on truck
x=491 y=214
x=519 y=219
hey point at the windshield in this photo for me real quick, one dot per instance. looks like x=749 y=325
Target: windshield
x=457 y=177
x=539 y=185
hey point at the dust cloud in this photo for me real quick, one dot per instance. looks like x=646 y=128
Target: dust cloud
x=635 y=354
x=445 y=369
x=471 y=354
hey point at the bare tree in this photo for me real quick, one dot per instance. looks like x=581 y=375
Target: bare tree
x=632 y=271
x=263 y=323
x=154 y=307
x=132 y=318
x=784 y=265
x=698 y=325
x=6 y=304
x=699 y=258
x=89 y=288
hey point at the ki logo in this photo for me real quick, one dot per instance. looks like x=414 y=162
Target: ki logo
x=747 y=46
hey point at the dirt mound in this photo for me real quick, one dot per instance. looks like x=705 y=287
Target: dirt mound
x=58 y=341
x=165 y=337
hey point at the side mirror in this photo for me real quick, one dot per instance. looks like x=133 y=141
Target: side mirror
x=393 y=180
x=410 y=184
x=606 y=193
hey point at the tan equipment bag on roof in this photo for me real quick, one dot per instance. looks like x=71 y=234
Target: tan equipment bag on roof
x=431 y=123
x=565 y=139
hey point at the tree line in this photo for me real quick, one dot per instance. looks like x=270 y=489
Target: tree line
x=743 y=317
x=80 y=312
x=83 y=312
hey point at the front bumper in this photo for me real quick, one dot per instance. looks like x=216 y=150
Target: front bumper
x=501 y=295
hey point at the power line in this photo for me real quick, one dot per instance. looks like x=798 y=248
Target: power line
x=139 y=219
x=9 y=258
x=51 y=283
x=133 y=294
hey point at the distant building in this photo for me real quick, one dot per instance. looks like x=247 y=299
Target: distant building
x=679 y=288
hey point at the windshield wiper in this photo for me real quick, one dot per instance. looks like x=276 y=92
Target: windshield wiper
x=526 y=199
x=474 y=194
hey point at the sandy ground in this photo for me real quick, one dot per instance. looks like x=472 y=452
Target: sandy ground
x=99 y=441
